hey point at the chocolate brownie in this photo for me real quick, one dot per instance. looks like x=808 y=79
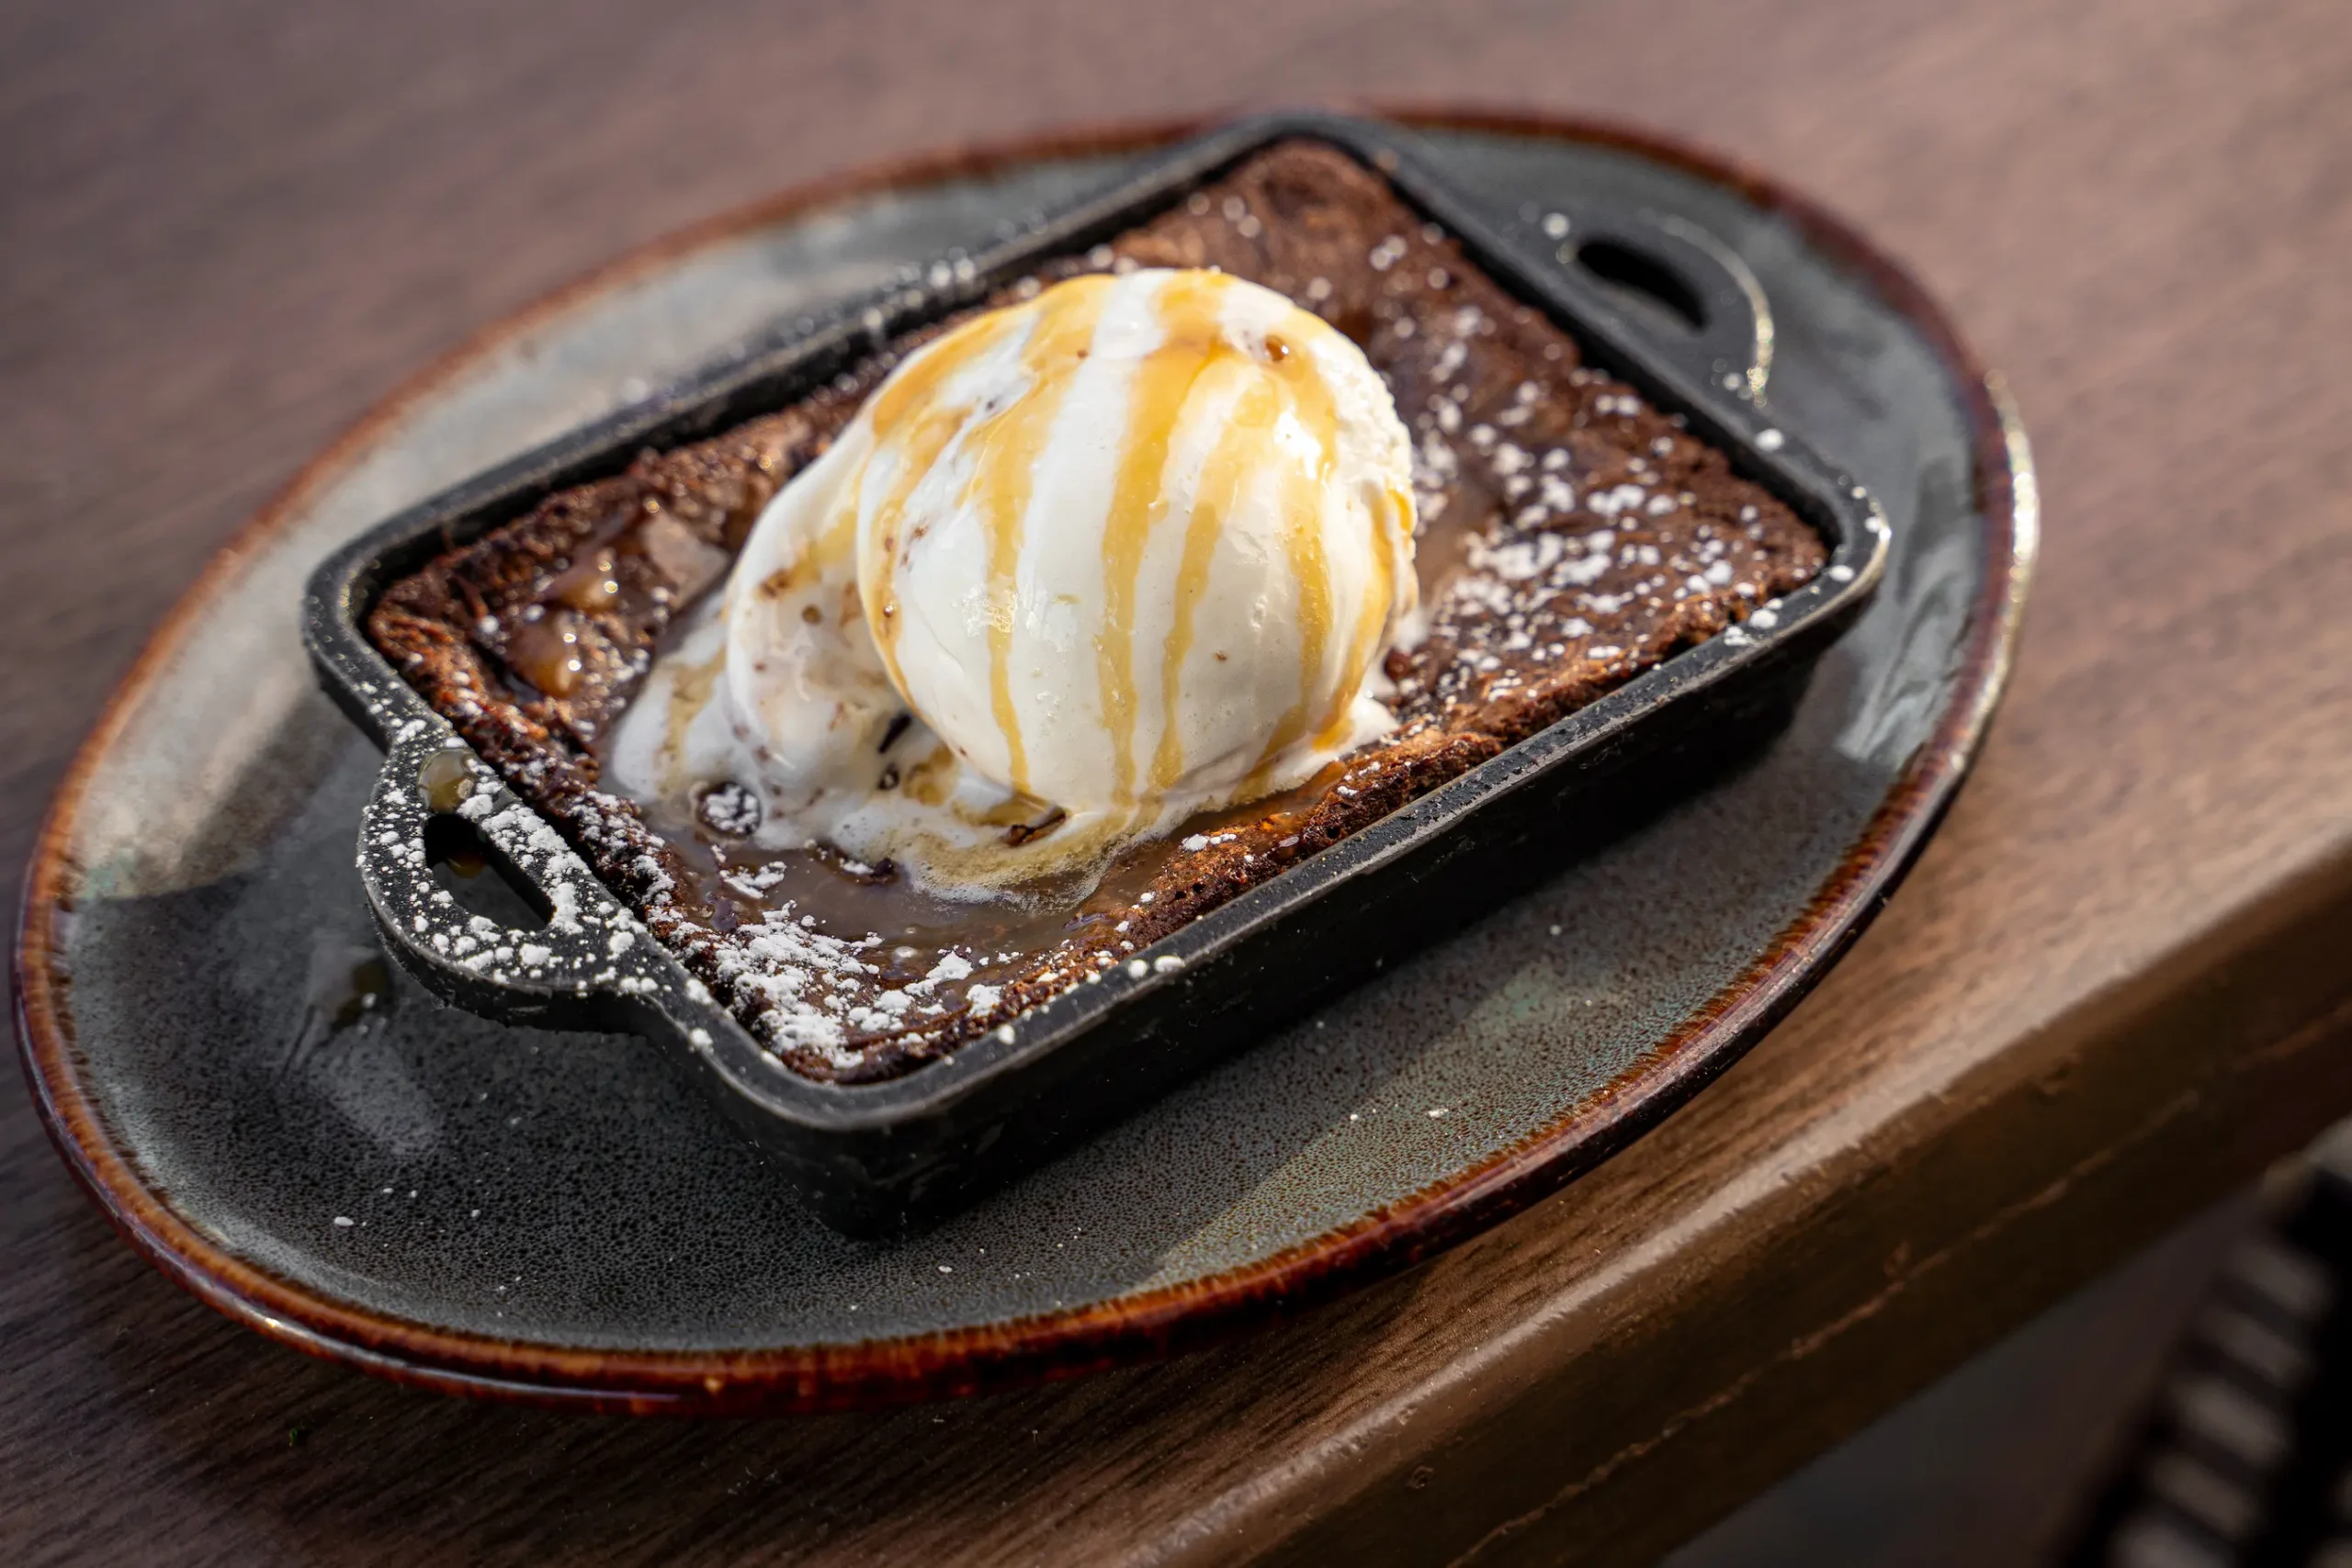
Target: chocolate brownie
x=1571 y=536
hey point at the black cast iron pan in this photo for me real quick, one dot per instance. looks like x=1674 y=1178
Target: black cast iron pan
x=1657 y=303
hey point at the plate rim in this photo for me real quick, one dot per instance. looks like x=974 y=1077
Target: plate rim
x=1143 y=1325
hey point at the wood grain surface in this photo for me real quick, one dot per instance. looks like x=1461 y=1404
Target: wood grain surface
x=2118 y=983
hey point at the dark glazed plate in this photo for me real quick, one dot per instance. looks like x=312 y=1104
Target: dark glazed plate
x=872 y=1159
x=231 y=1067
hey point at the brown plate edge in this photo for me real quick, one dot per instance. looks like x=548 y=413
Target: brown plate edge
x=1128 y=1329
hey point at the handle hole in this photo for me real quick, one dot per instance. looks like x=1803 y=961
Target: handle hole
x=471 y=869
x=1656 y=291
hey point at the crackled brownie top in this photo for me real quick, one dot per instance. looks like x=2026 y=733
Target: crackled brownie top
x=1571 y=536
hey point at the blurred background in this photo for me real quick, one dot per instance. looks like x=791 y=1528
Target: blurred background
x=227 y=230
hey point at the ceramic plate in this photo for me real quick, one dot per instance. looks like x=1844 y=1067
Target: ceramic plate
x=307 y=1142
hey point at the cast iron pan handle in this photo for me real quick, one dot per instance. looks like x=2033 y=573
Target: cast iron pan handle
x=1688 y=294
x=566 y=953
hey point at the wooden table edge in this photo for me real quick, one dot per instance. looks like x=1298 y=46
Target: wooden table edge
x=1944 y=1226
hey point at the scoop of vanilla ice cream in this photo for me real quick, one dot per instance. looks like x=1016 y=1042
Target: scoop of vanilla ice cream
x=1132 y=548
x=1138 y=543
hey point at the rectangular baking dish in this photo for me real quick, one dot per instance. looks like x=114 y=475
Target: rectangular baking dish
x=876 y=1158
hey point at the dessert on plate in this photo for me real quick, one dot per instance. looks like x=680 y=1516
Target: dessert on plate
x=1046 y=629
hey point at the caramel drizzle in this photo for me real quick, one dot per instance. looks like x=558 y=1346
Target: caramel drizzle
x=1372 y=617
x=1228 y=469
x=1192 y=340
x=912 y=391
x=1007 y=446
x=1304 y=494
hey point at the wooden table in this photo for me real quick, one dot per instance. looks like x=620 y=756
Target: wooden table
x=2119 y=981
